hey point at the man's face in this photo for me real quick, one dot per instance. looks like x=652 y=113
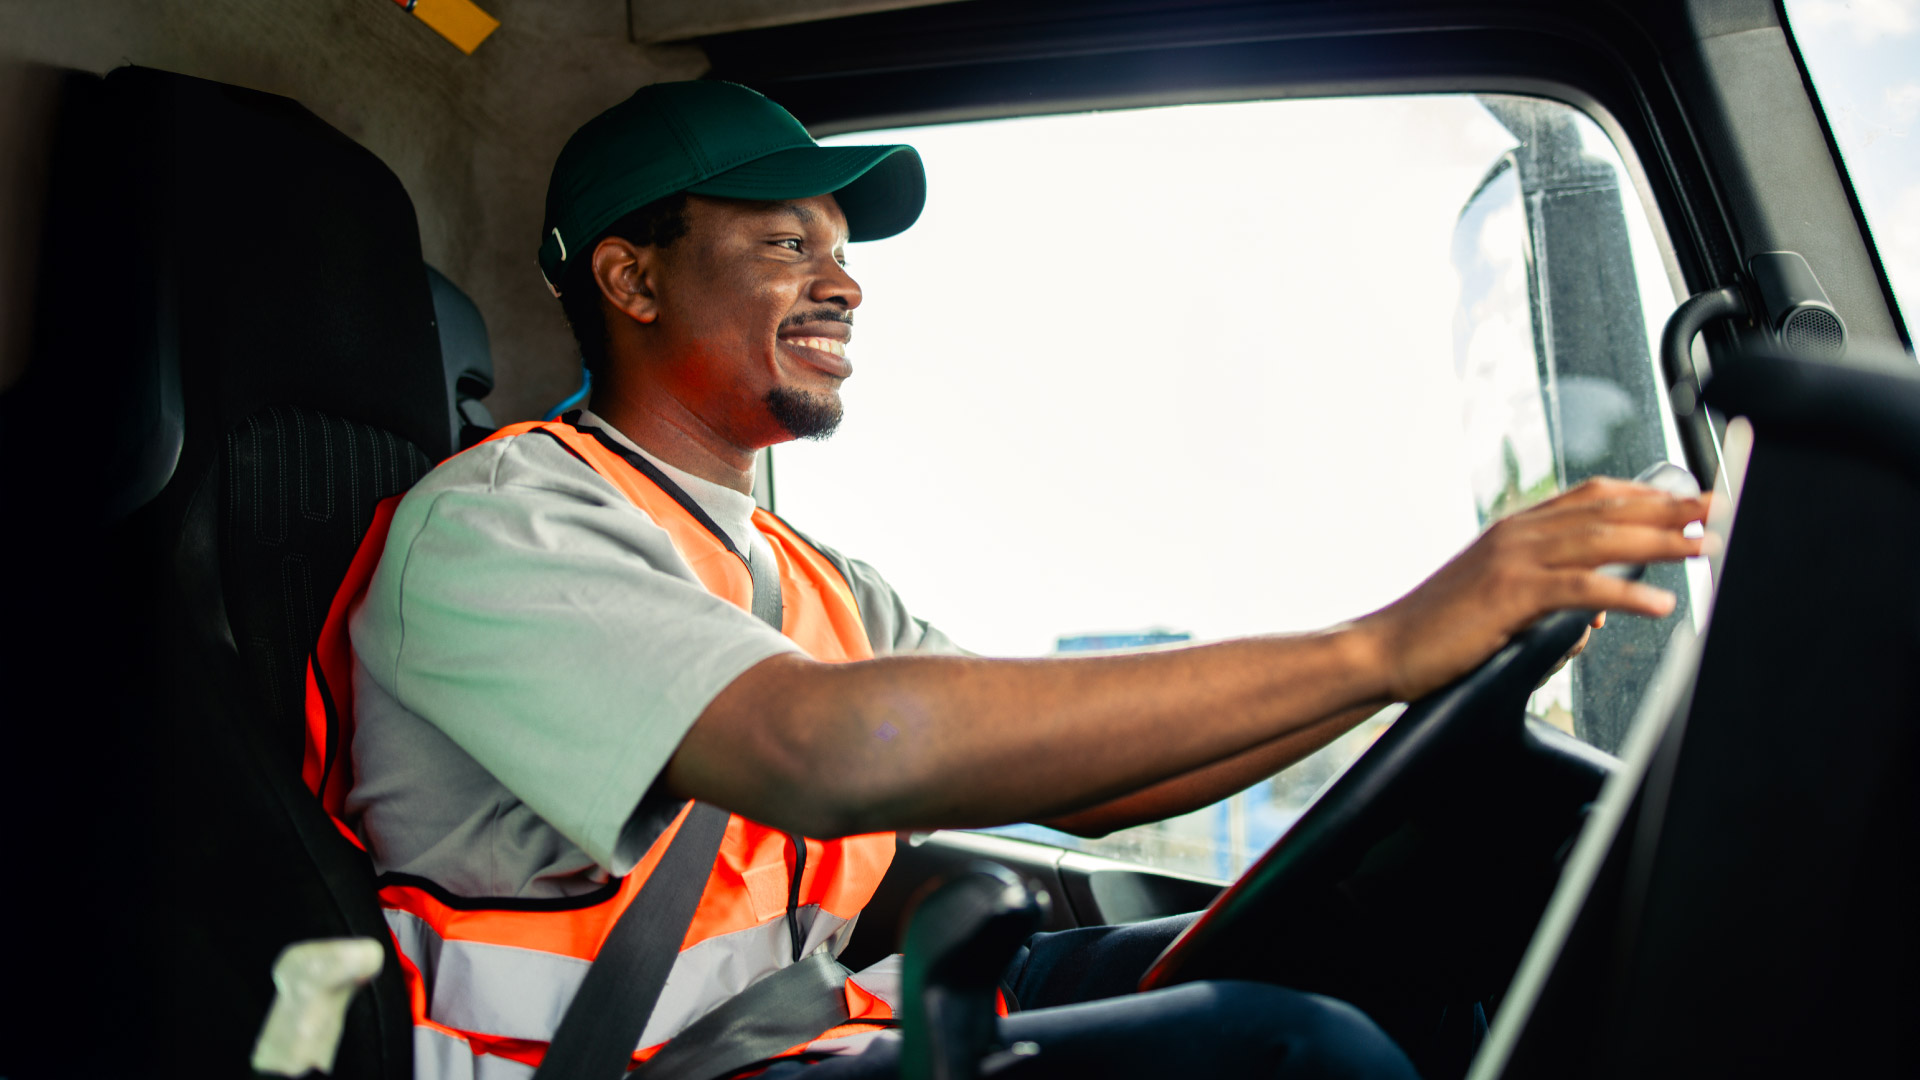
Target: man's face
x=755 y=310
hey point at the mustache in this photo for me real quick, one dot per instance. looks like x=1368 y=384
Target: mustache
x=822 y=315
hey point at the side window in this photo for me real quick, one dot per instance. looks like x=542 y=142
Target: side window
x=1200 y=372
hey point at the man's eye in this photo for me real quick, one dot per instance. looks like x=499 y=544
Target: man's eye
x=791 y=243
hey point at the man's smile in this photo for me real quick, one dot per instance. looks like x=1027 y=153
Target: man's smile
x=825 y=344
x=825 y=354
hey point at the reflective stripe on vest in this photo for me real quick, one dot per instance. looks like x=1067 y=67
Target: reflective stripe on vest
x=488 y=985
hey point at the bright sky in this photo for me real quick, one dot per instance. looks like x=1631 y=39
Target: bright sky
x=1181 y=368
x=1865 y=60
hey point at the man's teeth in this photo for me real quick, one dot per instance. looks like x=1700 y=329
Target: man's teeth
x=837 y=348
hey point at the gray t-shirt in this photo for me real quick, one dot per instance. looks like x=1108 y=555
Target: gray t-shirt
x=530 y=652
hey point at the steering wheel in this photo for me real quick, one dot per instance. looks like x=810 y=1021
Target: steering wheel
x=1421 y=872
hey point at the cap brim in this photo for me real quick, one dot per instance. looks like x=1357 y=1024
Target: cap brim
x=881 y=189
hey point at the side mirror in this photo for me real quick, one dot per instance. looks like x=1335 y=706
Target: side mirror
x=1557 y=379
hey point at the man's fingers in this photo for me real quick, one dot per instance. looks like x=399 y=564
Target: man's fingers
x=1598 y=489
x=1637 y=506
x=1597 y=545
x=1591 y=589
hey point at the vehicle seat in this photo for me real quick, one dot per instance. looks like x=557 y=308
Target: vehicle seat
x=1741 y=900
x=234 y=298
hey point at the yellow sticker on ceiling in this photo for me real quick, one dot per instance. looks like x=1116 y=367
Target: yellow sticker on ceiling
x=459 y=21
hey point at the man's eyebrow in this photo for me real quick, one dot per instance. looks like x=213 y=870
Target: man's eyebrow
x=807 y=214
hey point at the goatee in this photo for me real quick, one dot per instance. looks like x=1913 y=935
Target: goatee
x=804 y=415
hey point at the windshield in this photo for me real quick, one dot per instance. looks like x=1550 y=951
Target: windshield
x=1192 y=373
x=1864 y=60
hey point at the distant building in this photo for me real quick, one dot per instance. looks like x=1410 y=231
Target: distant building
x=1104 y=642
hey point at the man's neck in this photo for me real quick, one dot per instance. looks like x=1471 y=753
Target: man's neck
x=671 y=433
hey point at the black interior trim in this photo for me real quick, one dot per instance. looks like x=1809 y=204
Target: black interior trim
x=1867 y=406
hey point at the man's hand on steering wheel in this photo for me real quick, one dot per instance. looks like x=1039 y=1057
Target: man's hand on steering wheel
x=1543 y=559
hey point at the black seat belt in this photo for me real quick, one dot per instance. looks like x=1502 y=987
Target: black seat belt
x=607 y=1015
x=768 y=606
x=788 y=1007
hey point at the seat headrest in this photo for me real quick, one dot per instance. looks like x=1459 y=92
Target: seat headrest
x=468 y=362
x=235 y=251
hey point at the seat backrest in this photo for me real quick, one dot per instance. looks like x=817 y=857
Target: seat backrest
x=235 y=297
x=1741 y=903
x=296 y=492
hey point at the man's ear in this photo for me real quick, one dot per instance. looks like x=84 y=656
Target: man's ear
x=625 y=274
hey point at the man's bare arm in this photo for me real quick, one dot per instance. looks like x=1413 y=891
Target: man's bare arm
x=930 y=742
x=936 y=741
x=1210 y=783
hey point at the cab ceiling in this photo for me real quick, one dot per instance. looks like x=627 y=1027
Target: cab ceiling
x=471 y=137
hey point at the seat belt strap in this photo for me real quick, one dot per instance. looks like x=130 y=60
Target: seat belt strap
x=767 y=603
x=604 y=1021
x=781 y=1011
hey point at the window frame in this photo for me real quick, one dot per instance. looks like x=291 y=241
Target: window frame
x=848 y=75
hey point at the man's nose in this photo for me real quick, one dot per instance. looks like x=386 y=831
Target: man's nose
x=834 y=284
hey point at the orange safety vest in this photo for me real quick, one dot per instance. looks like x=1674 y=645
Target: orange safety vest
x=489 y=980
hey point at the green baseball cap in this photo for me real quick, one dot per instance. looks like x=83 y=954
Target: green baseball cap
x=720 y=139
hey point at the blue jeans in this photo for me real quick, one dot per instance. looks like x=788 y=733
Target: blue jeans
x=1076 y=1000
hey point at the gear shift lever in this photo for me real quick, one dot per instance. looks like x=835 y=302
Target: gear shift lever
x=961 y=935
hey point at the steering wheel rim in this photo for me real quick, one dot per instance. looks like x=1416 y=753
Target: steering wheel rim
x=1317 y=848
x=1481 y=708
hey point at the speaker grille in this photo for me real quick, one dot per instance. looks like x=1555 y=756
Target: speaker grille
x=1814 y=330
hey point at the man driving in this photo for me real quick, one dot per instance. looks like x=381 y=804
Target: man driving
x=585 y=659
